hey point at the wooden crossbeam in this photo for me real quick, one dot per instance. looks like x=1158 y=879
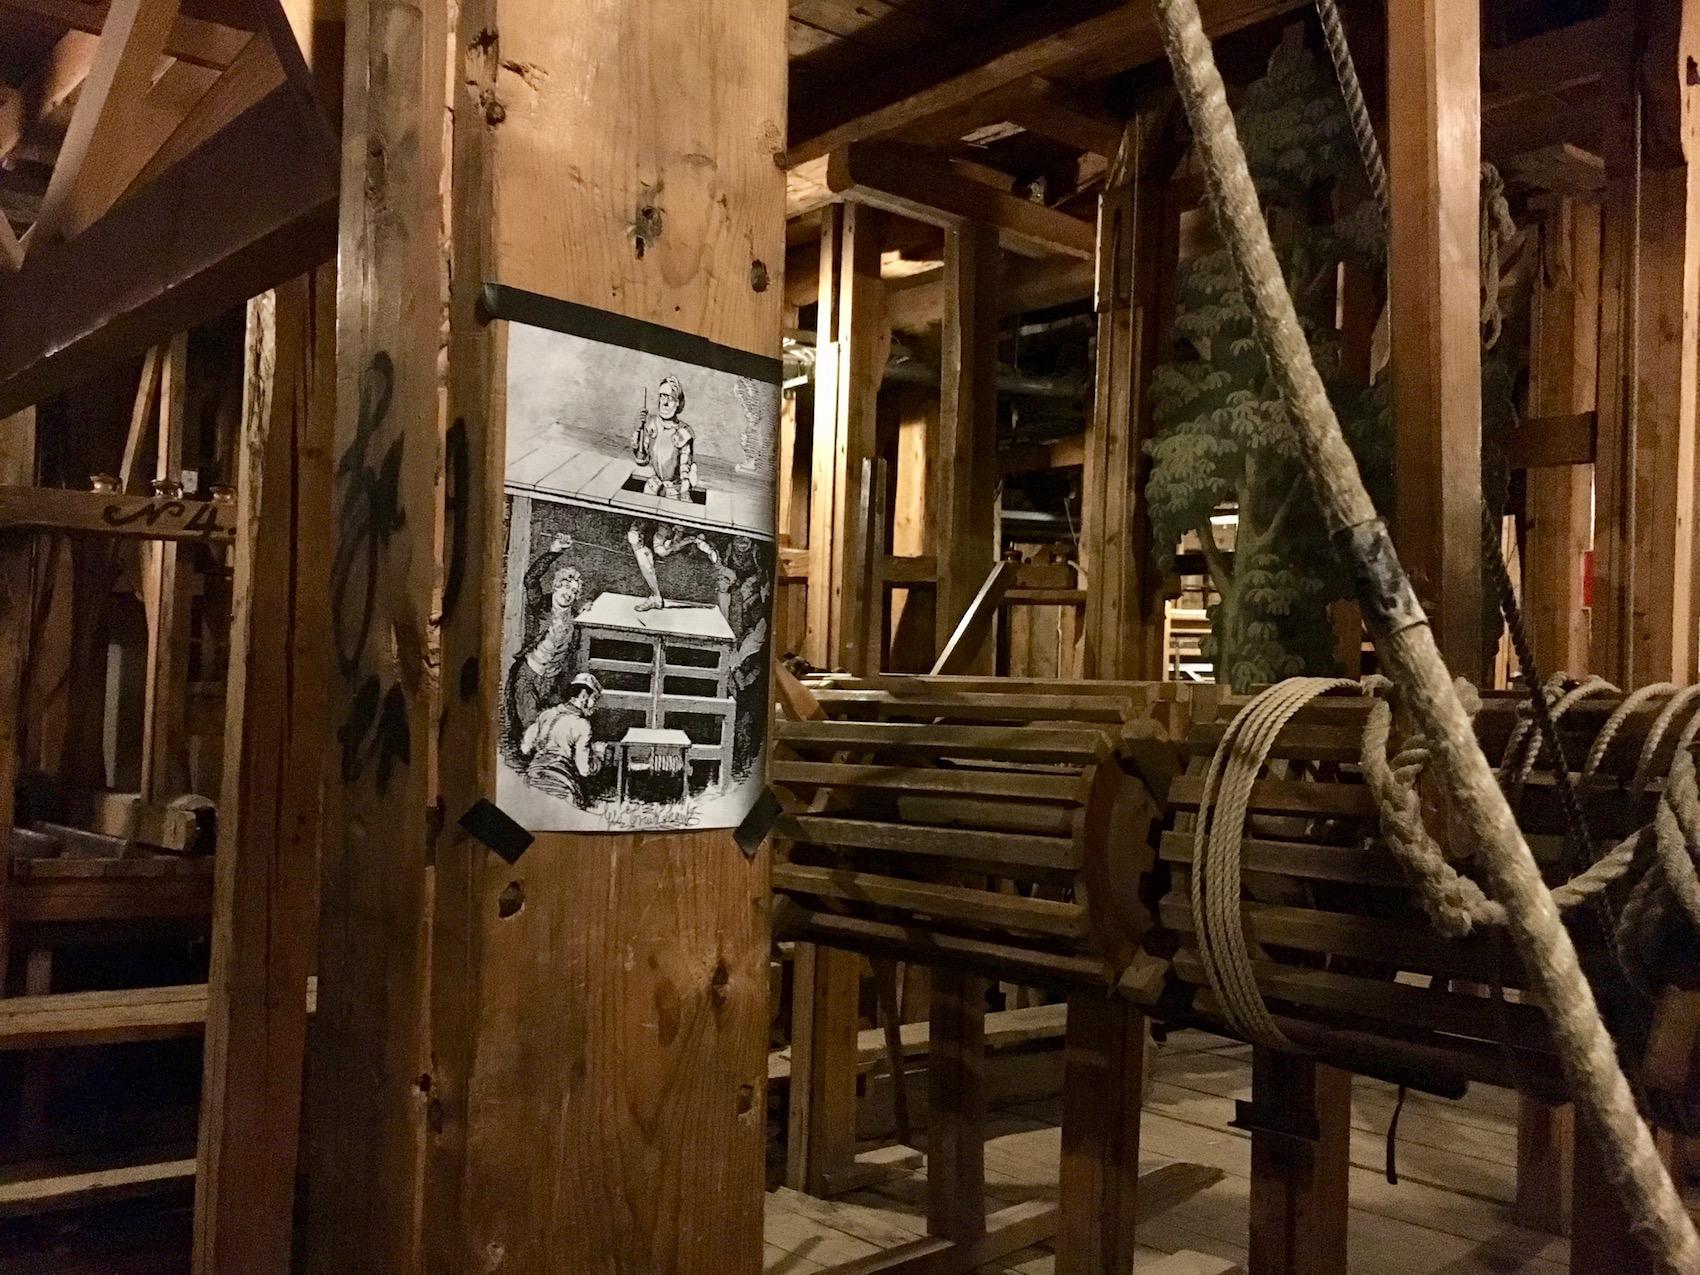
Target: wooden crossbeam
x=1027 y=283
x=92 y=158
x=228 y=221
x=48 y=90
x=1032 y=45
x=1052 y=111
x=95 y=513
x=913 y=184
x=210 y=44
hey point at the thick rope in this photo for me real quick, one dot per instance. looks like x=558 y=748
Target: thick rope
x=1357 y=111
x=1218 y=928
x=1407 y=649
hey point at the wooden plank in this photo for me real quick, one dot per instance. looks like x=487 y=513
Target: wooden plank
x=1051 y=854
x=948 y=902
x=996 y=960
x=986 y=743
x=1354 y=864
x=956 y=1104
x=227 y=222
x=89 y=172
x=63 y=1020
x=1546 y=1134
x=1024 y=283
x=1545 y=442
x=47 y=92
x=265 y=891
x=193 y=40
x=76 y=1190
x=1433 y=167
x=968 y=641
x=981 y=783
x=1052 y=111
x=915 y=184
x=822 y=1119
x=1099 y=1184
x=89 y=513
x=1299 y=1165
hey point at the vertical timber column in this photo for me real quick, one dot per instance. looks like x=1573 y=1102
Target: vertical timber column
x=1299 y=1165
x=1135 y=255
x=1563 y=366
x=1103 y=1082
x=1645 y=534
x=1434 y=172
x=600 y=1005
x=964 y=477
x=17 y=553
x=370 y=1105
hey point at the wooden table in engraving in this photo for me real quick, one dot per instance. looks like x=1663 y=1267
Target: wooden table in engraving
x=673 y=686
x=643 y=749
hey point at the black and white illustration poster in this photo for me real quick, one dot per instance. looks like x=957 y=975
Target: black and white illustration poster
x=640 y=564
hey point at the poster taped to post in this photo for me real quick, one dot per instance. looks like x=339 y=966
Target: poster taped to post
x=636 y=623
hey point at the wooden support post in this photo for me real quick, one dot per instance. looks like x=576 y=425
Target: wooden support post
x=964 y=493
x=1563 y=361
x=956 y=1094
x=1546 y=1151
x=1645 y=534
x=371 y=1103
x=1103 y=1085
x=913 y=622
x=265 y=889
x=1136 y=259
x=1434 y=171
x=1301 y=1124
x=821 y=1142
x=17 y=553
x=165 y=595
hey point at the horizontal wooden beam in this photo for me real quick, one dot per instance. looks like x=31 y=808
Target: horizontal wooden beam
x=229 y=221
x=1052 y=111
x=1031 y=45
x=1552 y=440
x=101 y=513
x=1059 y=453
x=1026 y=284
x=914 y=184
x=191 y=39
x=905 y=571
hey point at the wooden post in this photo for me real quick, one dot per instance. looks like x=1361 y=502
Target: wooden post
x=964 y=479
x=1645 y=534
x=371 y=1105
x=17 y=553
x=1103 y=1085
x=1136 y=257
x=956 y=1104
x=821 y=1116
x=1434 y=171
x=1301 y=1125
x=165 y=596
x=1563 y=358
x=265 y=887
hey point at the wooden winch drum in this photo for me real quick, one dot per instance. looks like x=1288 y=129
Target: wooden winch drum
x=1343 y=953
x=1004 y=833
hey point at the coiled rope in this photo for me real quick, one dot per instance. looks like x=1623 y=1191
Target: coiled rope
x=1408 y=652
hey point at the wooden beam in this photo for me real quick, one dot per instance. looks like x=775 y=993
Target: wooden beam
x=230 y=220
x=1049 y=110
x=1104 y=1062
x=48 y=91
x=1300 y=1119
x=1553 y=442
x=254 y=73
x=209 y=44
x=964 y=492
x=1644 y=613
x=17 y=596
x=1067 y=452
x=367 y=1101
x=1433 y=164
x=90 y=169
x=956 y=1094
x=94 y=513
x=265 y=890
x=1025 y=283
x=967 y=648
x=1563 y=366
x=1031 y=45
x=1138 y=251
x=914 y=184
x=165 y=599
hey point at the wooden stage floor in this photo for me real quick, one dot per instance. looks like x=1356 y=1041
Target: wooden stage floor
x=1449 y=1214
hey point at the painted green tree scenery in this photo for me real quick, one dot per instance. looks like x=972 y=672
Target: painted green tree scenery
x=1223 y=437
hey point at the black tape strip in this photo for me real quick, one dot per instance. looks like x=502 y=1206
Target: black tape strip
x=496 y=828
x=498 y=301
x=758 y=823
x=1384 y=591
